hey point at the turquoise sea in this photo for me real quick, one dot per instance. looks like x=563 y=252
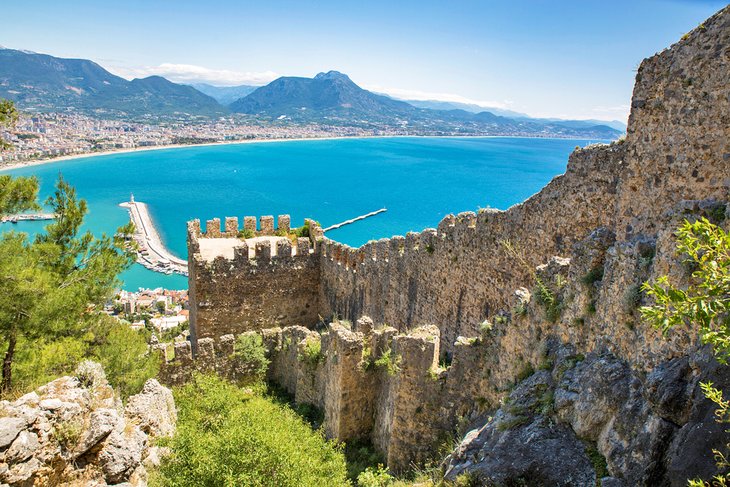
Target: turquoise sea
x=419 y=180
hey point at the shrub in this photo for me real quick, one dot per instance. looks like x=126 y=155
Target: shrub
x=250 y=351
x=311 y=353
x=246 y=233
x=375 y=477
x=526 y=371
x=485 y=328
x=389 y=362
x=67 y=433
x=229 y=436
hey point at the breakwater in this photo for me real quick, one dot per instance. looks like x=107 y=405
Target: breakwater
x=353 y=220
x=151 y=252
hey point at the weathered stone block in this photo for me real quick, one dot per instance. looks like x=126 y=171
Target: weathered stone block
x=263 y=251
x=213 y=228
x=283 y=248
x=267 y=225
x=231 y=226
x=249 y=223
x=284 y=223
x=303 y=246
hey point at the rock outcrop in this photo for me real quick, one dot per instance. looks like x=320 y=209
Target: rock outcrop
x=74 y=431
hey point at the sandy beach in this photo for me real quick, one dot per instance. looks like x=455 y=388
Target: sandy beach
x=21 y=164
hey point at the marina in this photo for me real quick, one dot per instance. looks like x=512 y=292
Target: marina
x=151 y=252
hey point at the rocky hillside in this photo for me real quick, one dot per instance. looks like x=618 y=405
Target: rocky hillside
x=74 y=431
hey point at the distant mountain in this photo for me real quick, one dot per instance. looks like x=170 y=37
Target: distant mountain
x=332 y=97
x=41 y=82
x=449 y=105
x=225 y=95
x=467 y=107
x=615 y=124
x=327 y=95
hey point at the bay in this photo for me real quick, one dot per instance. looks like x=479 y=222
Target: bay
x=418 y=179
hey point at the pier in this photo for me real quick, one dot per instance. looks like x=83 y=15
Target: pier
x=353 y=220
x=151 y=253
x=27 y=217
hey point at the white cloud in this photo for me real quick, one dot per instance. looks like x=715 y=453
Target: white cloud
x=189 y=73
x=619 y=111
x=404 y=94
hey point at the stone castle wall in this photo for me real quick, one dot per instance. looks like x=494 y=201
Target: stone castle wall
x=591 y=236
x=260 y=283
x=406 y=410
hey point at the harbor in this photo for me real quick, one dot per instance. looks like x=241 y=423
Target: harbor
x=151 y=252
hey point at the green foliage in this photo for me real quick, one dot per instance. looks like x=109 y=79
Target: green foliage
x=592 y=276
x=41 y=361
x=311 y=353
x=430 y=248
x=302 y=231
x=126 y=358
x=246 y=233
x=55 y=286
x=249 y=349
x=597 y=460
x=67 y=433
x=512 y=423
x=706 y=302
x=485 y=328
x=169 y=334
x=8 y=119
x=389 y=362
x=526 y=371
x=375 y=477
x=227 y=436
x=361 y=456
x=18 y=194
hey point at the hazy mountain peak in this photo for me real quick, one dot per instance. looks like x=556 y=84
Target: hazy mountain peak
x=332 y=75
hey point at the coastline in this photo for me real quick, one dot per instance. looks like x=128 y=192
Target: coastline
x=39 y=162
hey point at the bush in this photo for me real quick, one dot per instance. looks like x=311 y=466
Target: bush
x=228 y=436
x=375 y=477
x=246 y=233
x=249 y=349
x=311 y=353
x=126 y=359
x=389 y=362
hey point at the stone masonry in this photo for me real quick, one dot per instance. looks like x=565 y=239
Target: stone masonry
x=464 y=295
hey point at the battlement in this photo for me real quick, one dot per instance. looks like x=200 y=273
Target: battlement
x=363 y=377
x=241 y=245
x=250 y=229
x=249 y=278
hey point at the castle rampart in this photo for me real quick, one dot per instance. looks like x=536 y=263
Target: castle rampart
x=239 y=284
x=465 y=294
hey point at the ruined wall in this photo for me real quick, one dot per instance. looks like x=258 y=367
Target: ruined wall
x=237 y=285
x=460 y=274
x=674 y=163
x=591 y=236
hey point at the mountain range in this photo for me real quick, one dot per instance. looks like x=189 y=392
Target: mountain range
x=40 y=82
x=46 y=83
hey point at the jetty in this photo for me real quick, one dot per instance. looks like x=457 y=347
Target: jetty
x=151 y=252
x=353 y=220
x=27 y=217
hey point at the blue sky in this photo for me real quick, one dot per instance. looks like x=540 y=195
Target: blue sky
x=569 y=59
